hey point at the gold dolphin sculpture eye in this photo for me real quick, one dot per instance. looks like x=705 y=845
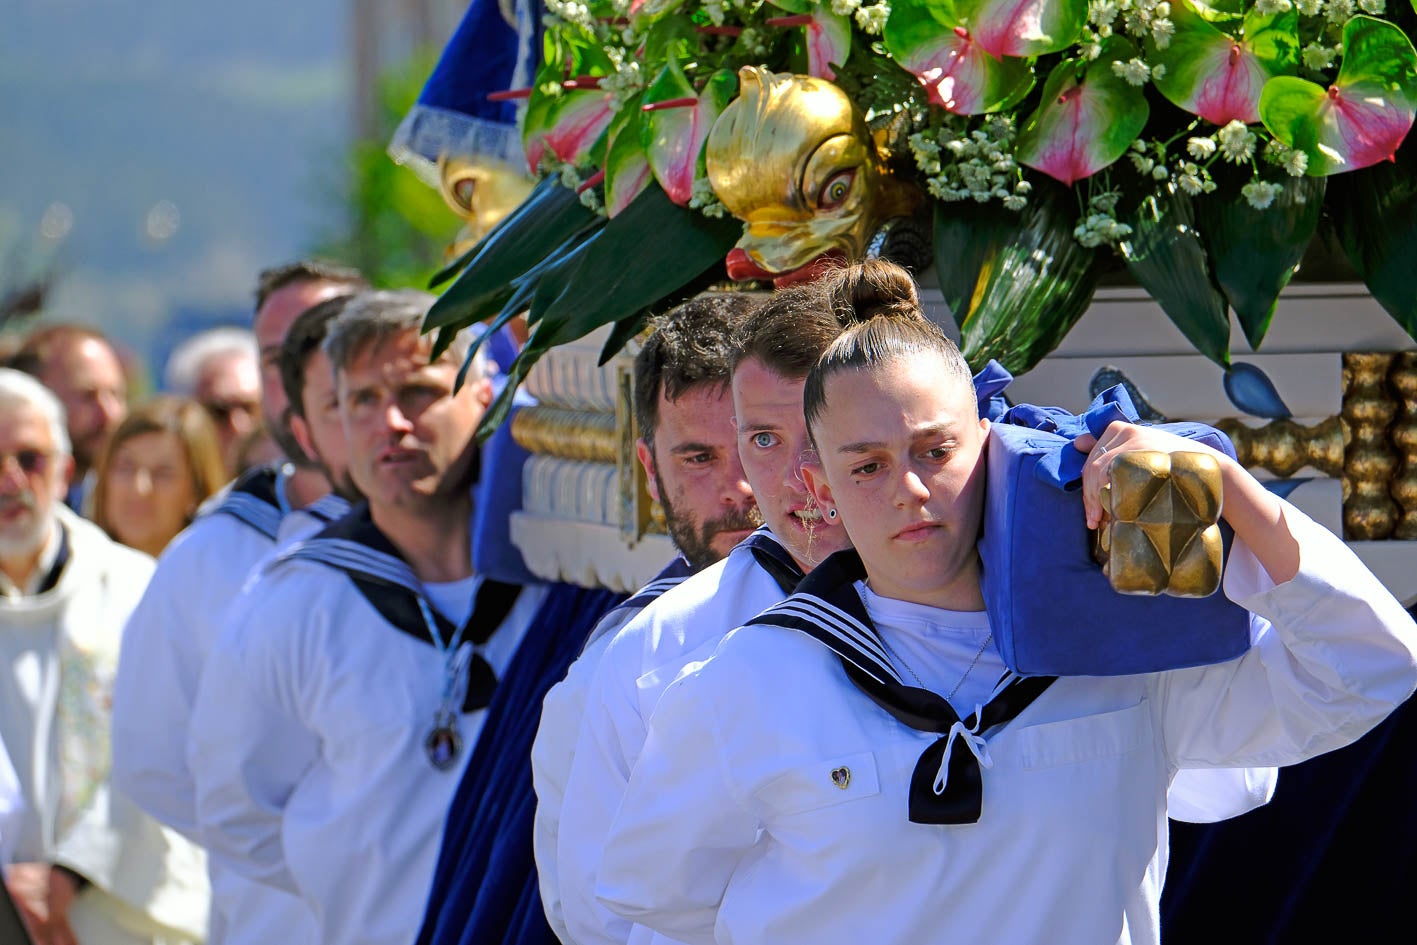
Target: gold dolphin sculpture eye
x=793 y=158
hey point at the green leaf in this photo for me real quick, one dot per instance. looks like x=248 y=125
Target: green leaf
x=958 y=75
x=643 y=255
x=673 y=138
x=1254 y=253
x=1022 y=28
x=548 y=218
x=1363 y=117
x=1165 y=255
x=566 y=122
x=627 y=170
x=1375 y=214
x=617 y=276
x=1220 y=77
x=1081 y=127
x=520 y=292
x=966 y=234
x=625 y=329
x=1035 y=282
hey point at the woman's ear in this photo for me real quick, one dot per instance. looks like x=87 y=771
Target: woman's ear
x=816 y=481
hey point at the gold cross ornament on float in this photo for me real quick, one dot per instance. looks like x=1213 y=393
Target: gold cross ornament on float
x=1161 y=534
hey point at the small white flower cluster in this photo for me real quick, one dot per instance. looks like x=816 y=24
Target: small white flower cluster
x=1340 y=11
x=572 y=11
x=1310 y=7
x=625 y=81
x=1142 y=20
x=1237 y=142
x=977 y=165
x=1149 y=161
x=1202 y=149
x=1192 y=178
x=1294 y=162
x=1260 y=193
x=1134 y=71
x=754 y=41
x=1101 y=224
x=1273 y=7
x=1318 y=57
x=870 y=18
x=705 y=200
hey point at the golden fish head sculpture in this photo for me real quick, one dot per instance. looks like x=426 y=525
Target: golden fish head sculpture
x=793 y=158
x=481 y=191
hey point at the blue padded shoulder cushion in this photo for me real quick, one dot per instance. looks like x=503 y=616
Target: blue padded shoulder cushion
x=1052 y=610
x=498 y=495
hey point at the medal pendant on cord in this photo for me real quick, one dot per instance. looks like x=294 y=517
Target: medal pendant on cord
x=444 y=741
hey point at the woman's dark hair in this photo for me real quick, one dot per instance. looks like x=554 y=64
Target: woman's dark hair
x=876 y=304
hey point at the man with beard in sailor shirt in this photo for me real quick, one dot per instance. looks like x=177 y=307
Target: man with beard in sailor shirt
x=169 y=635
x=773 y=352
x=362 y=659
x=689 y=451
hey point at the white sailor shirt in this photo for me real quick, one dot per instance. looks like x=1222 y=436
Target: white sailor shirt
x=769 y=804
x=554 y=745
x=308 y=749
x=165 y=646
x=639 y=662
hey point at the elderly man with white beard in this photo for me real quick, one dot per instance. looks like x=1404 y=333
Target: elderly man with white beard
x=87 y=865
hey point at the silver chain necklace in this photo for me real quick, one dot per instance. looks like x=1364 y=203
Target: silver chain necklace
x=969 y=669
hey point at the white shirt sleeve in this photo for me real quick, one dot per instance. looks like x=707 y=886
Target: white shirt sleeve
x=1333 y=655
x=683 y=827
x=249 y=748
x=164 y=647
x=551 y=757
x=1210 y=795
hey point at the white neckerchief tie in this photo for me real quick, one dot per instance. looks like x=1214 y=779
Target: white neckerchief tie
x=975 y=742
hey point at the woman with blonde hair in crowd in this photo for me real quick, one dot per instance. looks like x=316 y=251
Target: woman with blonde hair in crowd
x=161 y=463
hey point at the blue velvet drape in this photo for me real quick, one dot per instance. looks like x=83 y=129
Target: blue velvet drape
x=485 y=888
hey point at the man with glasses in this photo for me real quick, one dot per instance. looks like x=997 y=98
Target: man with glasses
x=80 y=366
x=221 y=369
x=88 y=866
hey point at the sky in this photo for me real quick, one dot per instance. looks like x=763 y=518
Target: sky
x=159 y=153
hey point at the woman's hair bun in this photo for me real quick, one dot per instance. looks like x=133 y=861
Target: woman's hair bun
x=861 y=291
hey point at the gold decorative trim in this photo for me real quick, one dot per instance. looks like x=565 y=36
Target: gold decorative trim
x=1369 y=461
x=567 y=434
x=1402 y=381
x=1284 y=447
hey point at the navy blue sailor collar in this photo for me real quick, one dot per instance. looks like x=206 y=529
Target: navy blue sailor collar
x=773 y=557
x=947 y=784
x=355 y=546
x=256 y=499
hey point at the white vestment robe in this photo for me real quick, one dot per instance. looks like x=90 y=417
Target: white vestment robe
x=59 y=652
